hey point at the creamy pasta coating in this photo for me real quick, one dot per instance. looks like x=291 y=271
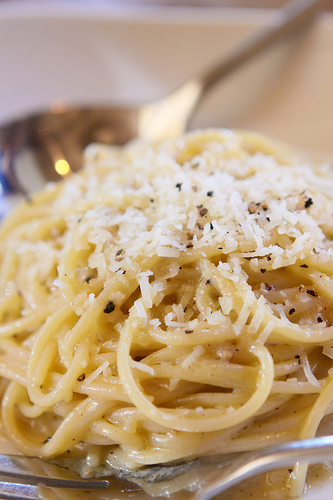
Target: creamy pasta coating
x=170 y=301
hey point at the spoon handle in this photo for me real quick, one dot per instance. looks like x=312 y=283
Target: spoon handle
x=168 y=118
x=295 y=14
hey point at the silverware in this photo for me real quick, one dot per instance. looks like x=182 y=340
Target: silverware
x=60 y=135
x=247 y=465
x=40 y=472
x=28 y=474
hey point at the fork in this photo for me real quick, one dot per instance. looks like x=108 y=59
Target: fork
x=25 y=483
x=25 y=475
x=250 y=464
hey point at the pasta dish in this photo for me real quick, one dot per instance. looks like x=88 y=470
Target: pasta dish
x=170 y=301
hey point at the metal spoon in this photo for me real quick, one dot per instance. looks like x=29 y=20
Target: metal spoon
x=57 y=137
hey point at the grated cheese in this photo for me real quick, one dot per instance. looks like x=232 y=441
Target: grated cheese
x=142 y=366
x=308 y=371
x=95 y=373
x=157 y=214
x=193 y=357
x=328 y=351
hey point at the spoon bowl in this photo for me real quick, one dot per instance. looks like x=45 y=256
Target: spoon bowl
x=63 y=134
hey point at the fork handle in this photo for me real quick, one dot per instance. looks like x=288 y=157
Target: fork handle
x=310 y=451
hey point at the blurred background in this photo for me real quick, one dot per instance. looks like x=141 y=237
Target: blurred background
x=86 y=52
x=327 y=5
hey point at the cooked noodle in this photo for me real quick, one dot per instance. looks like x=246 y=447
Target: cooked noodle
x=170 y=301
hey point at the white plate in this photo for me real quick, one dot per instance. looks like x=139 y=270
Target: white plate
x=91 y=52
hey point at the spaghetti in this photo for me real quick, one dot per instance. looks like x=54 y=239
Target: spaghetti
x=170 y=301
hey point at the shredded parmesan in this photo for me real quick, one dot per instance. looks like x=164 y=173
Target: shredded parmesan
x=308 y=371
x=328 y=351
x=193 y=357
x=142 y=366
x=95 y=373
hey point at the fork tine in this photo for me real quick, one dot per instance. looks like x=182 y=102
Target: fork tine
x=14 y=491
x=35 y=471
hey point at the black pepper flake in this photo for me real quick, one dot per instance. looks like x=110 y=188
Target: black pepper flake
x=292 y=310
x=304 y=265
x=268 y=219
x=81 y=377
x=312 y=293
x=119 y=270
x=208 y=282
x=119 y=252
x=268 y=287
x=110 y=306
x=263 y=270
x=319 y=319
x=308 y=202
x=298 y=357
x=203 y=212
x=189 y=331
x=47 y=440
x=211 y=226
x=152 y=200
x=210 y=193
x=290 y=471
x=268 y=258
x=189 y=245
x=179 y=186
